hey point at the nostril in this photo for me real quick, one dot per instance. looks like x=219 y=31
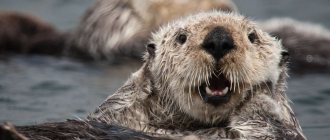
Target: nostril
x=226 y=45
x=210 y=46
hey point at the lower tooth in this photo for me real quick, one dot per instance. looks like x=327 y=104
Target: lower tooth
x=208 y=90
x=225 y=90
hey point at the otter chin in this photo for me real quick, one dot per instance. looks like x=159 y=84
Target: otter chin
x=211 y=74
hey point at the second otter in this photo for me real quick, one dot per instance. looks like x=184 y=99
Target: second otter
x=116 y=28
x=216 y=75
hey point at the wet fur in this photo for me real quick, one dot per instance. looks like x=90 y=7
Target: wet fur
x=162 y=96
x=25 y=34
x=307 y=43
x=72 y=129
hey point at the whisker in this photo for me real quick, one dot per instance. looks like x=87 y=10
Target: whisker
x=269 y=90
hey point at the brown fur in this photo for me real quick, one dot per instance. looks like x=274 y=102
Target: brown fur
x=70 y=130
x=21 y=33
x=307 y=43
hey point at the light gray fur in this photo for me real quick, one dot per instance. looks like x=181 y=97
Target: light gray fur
x=107 y=28
x=147 y=101
x=120 y=28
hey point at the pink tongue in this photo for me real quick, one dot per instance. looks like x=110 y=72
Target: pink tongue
x=218 y=84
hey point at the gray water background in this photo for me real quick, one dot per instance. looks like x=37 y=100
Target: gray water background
x=36 y=89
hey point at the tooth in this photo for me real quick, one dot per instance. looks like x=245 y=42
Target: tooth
x=225 y=90
x=208 y=90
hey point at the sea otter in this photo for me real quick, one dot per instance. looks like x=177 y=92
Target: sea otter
x=26 y=34
x=214 y=74
x=308 y=43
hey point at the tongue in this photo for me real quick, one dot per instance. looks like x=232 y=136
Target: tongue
x=216 y=92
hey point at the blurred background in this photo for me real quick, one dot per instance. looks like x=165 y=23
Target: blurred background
x=36 y=89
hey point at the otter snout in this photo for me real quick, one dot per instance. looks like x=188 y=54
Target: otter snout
x=218 y=42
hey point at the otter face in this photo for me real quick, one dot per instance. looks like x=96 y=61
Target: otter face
x=207 y=63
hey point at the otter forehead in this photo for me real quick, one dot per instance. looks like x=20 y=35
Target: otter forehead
x=203 y=20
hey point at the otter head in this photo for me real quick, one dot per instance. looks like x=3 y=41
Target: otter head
x=206 y=64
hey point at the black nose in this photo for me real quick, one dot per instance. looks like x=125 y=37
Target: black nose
x=218 y=42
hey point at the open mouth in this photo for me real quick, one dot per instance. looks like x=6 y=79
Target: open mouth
x=217 y=91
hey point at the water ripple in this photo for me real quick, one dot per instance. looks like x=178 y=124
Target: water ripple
x=50 y=86
x=7 y=100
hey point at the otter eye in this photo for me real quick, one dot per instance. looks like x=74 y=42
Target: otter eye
x=252 y=37
x=181 y=38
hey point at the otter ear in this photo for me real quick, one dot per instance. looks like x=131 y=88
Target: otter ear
x=284 y=58
x=151 y=47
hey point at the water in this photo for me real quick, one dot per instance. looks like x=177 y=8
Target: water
x=310 y=95
x=39 y=89
x=65 y=14
x=305 y=10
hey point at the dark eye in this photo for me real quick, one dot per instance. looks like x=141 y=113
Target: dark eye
x=252 y=37
x=181 y=38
